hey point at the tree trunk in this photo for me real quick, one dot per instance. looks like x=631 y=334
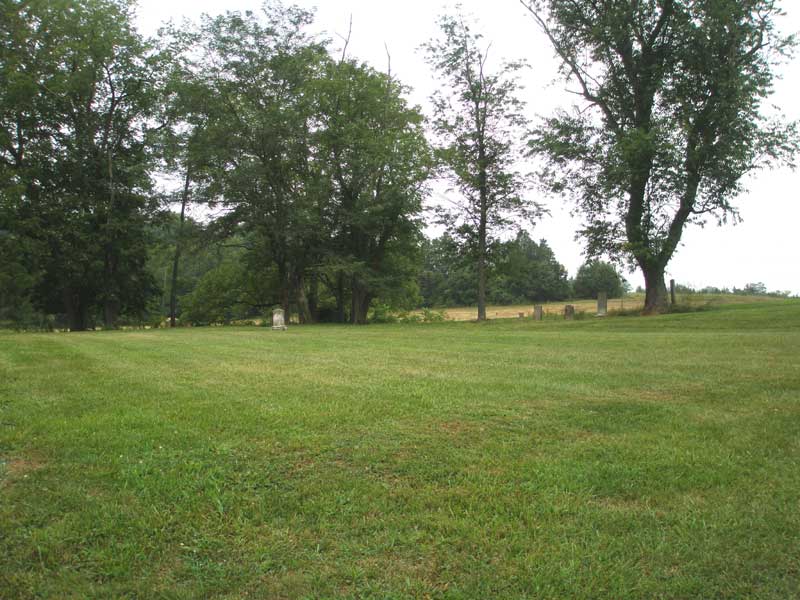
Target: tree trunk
x=656 y=297
x=360 y=300
x=284 y=291
x=482 y=267
x=111 y=302
x=77 y=316
x=110 y=314
x=303 y=311
x=313 y=297
x=483 y=199
x=173 y=292
x=341 y=317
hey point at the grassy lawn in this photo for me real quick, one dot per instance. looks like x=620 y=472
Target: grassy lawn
x=601 y=458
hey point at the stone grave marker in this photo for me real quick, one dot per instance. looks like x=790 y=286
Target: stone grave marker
x=602 y=304
x=538 y=312
x=278 y=323
x=569 y=312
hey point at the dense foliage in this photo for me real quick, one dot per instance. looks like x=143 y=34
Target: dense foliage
x=521 y=271
x=597 y=276
x=315 y=167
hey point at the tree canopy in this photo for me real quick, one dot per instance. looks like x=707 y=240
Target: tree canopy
x=320 y=164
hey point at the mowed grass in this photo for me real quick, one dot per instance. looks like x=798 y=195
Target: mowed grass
x=604 y=458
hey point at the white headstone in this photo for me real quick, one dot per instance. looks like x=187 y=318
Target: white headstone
x=278 y=324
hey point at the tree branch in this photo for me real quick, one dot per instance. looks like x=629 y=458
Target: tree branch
x=573 y=66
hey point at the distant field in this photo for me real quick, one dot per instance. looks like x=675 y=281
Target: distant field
x=629 y=302
x=600 y=458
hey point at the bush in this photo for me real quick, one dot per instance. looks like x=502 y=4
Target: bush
x=382 y=313
x=433 y=316
x=408 y=318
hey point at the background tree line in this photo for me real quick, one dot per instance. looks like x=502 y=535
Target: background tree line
x=312 y=168
x=315 y=166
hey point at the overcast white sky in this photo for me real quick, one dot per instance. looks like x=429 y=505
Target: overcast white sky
x=764 y=247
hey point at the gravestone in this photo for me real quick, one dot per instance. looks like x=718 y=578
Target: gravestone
x=538 y=312
x=602 y=304
x=278 y=323
x=569 y=312
x=522 y=315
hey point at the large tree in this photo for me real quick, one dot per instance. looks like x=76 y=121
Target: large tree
x=477 y=120
x=320 y=164
x=670 y=118
x=78 y=91
x=259 y=71
x=186 y=143
x=375 y=162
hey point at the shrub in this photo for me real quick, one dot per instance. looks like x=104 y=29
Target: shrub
x=432 y=316
x=382 y=313
x=409 y=318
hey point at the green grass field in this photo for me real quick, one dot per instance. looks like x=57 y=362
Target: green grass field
x=602 y=458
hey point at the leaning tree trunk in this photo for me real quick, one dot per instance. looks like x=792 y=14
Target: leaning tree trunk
x=284 y=291
x=653 y=265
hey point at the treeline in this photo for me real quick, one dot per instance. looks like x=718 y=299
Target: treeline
x=521 y=271
x=217 y=284
x=314 y=166
x=750 y=289
x=312 y=169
